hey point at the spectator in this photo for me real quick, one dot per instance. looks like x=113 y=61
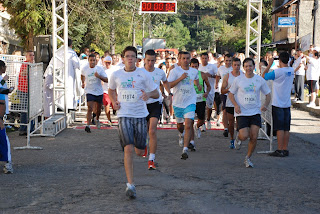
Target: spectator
x=300 y=73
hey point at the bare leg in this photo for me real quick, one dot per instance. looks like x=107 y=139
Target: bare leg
x=89 y=112
x=98 y=110
x=128 y=162
x=107 y=111
x=254 y=131
x=153 y=134
x=187 y=133
x=180 y=127
x=231 y=125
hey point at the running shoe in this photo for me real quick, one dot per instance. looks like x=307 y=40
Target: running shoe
x=218 y=123
x=208 y=125
x=197 y=131
x=285 y=152
x=225 y=133
x=237 y=144
x=232 y=144
x=203 y=128
x=180 y=140
x=311 y=105
x=248 y=162
x=184 y=155
x=145 y=152
x=87 y=129
x=277 y=153
x=7 y=168
x=98 y=124
x=131 y=191
x=109 y=123
x=151 y=165
x=192 y=147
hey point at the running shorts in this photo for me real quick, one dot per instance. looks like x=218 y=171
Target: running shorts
x=201 y=110
x=182 y=113
x=94 y=98
x=248 y=121
x=154 y=109
x=210 y=100
x=281 y=118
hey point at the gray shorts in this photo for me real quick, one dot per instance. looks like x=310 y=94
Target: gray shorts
x=133 y=131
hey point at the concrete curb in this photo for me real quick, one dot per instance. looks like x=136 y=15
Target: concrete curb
x=303 y=106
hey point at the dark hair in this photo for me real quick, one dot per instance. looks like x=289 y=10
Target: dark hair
x=96 y=53
x=284 y=57
x=92 y=55
x=215 y=55
x=204 y=54
x=92 y=50
x=227 y=55
x=194 y=61
x=235 y=59
x=69 y=42
x=161 y=65
x=248 y=60
x=184 y=52
x=264 y=62
x=150 y=52
x=129 y=48
x=2 y=64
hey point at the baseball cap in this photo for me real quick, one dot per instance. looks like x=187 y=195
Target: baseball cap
x=108 y=59
x=140 y=56
x=316 y=49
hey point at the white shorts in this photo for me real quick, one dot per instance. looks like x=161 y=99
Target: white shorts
x=210 y=100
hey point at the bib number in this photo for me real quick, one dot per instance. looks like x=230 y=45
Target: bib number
x=185 y=90
x=250 y=99
x=128 y=96
x=91 y=79
x=199 y=97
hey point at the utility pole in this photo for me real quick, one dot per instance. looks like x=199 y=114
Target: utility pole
x=314 y=14
x=112 y=36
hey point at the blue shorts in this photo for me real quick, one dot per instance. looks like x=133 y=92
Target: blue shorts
x=94 y=98
x=182 y=113
x=281 y=118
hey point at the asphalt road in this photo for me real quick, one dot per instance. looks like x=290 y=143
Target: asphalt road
x=77 y=172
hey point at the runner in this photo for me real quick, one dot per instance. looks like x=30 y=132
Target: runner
x=210 y=70
x=245 y=96
x=129 y=89
x=181 y=79
x=281 y=102
x=201 y=102
x=226 y=84
x=91 y=76
x=106 y=100
x=222 y=71
x=154 y=105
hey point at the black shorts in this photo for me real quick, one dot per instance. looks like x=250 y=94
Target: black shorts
x=217 y=100
x=94 y=98
x=247 y=121
x=201 y=110
x=155 y=110
x=230 y=110
x=133 y=131
x=223 y=98
x=312 y=85
x=281 y=118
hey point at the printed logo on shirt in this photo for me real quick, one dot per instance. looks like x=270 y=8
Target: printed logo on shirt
x=128 y=84
x=251 y=88
x=186 y=81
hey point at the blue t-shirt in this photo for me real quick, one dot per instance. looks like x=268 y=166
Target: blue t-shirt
x=2 y=97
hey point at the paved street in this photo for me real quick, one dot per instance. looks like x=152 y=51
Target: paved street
x=77 y=172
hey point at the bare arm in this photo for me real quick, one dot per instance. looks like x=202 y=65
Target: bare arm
x=104 y=79
x=196 y=82
x=153 y=94
x=233 y=100
x=206 y=81
x=166 y=85
x=266 y=103
x=113 y=97
x=217 y=80
x=83 y=78
x=270 y=61
x=224 y=87
x=175 y=82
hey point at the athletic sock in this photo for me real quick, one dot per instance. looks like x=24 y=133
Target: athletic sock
x=226 y=129
x=192 y=142
x=185 y=148
x=152 y=157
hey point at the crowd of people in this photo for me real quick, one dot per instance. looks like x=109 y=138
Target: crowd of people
x=146 y=90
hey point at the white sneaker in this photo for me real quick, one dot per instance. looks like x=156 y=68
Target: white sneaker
x=7 y=168
x=237 y=144
x=197 y=131
x=180 y=140
x=208 y=125
x=131 y=191
x=203 y=128
x=97 y=122
x=248 y=162
x=311 y=105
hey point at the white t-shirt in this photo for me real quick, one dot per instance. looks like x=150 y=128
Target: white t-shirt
x=230 y=81
x=213 y=70
x=222 y=71
x=247 y=94
x=157 y=76
x=93 y=84
x=282 y=85
x=105 y=85
x=6 y=96
x=184 y=93
x=129 y=86
x=313 y=70
x=301 y=70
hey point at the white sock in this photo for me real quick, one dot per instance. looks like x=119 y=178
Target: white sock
x=185 y=148
x=226 y=129
x=192 y=142
x=129 y=185
x=152 y=157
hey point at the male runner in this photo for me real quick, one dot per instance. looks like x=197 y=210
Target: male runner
x=91 y=76
x=245 y=96
x=222 y=71
x=181 y=79
x=154 y=105
x=226 y=84
x=211 y=71
x=201 y=102
x=129 y=89
x=281 y=102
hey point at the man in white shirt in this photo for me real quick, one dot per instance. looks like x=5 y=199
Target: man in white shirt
x=181 y=79
x=129 y=89
x=300 y=73
x=245 y=96
x=211 y=71
x=281 y=102
x=91 y=77
x=222 y=71
x=313 y=73
x=154 y=105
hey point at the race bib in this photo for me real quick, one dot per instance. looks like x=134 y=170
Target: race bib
x=91 y=78
x=129 y=96
x=199 y=97
x=185 y=89
x=250 y=99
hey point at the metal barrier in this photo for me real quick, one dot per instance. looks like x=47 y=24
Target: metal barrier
x=27 y=97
